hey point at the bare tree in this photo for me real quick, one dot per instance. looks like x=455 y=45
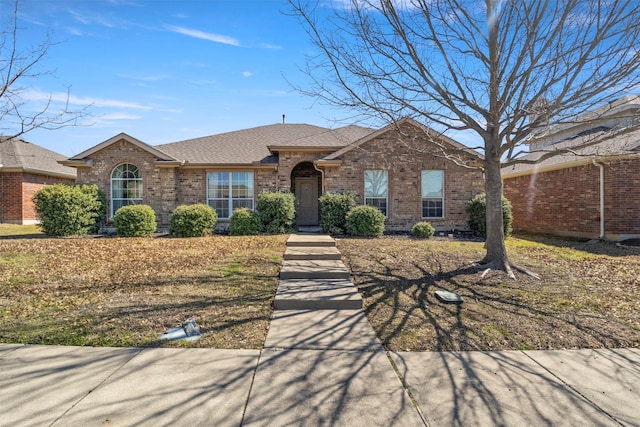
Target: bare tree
x=18 y=66
x=500 y=69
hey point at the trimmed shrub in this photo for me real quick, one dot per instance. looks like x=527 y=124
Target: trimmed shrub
x=365 y=221
x=277 y=211
x=68 y=210
x=100 y=210
x=477 y=209
x=135 y=221
x=244 y=222
x=193 y=220
x=333 y=211
x=423 y=230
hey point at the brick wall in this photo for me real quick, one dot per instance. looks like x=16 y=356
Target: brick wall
x=567 y=202
x=405 y=157
x=288 y=161
x=166 y=188
x=159 y=184
x=17 y=190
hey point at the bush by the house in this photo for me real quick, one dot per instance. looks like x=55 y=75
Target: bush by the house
x=244 y=222
x=365 y=221
x=135 y=221
x=477 y=210
x=277 y=211
x=68 y=210
x=100 y=208
x=423 y=230
x=333 y=211
x=193 y=220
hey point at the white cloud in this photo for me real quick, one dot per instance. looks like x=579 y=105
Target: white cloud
x=217 y=38
x=270 y=46
x=146 y=78
x=34 y=95
x=247 y=73
x=120 y=116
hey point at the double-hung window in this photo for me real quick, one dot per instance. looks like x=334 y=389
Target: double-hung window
x=432 y=194
x=126 y=187
x=376 y=189
x=228 y=191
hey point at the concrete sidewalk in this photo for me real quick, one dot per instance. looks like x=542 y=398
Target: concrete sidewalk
x=321 y=365
x=72 y=386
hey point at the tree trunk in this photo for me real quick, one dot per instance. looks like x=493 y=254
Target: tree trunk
x=495 y=245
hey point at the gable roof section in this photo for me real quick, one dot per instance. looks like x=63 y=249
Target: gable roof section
x=258 y=145
x=335 y=157
x=84 y=157
x=20 y=155
x=621 y=146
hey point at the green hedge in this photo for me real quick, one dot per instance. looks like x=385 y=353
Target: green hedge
x=135 y=221
x=244 y=222
x=423 y=230
x=193 y=220
x=333 y=211
x=68 y=210
x=365 y=221
x=477 y=209
x=277 y=211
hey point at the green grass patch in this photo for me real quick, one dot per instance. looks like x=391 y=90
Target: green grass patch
x=19 y=230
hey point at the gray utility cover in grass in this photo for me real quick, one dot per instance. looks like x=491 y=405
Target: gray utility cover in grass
x=449 y=297
x=188 y=332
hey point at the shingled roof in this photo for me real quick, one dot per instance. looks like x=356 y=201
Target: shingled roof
x=20 y=155
x=257 y=145
x=606 y=147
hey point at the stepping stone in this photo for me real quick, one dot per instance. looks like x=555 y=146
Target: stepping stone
x=312 y=253
x=300 y=294
x=321 y=269
x=313 y=240
x=321 y=330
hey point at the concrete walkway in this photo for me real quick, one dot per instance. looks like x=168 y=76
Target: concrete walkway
x=321 y=366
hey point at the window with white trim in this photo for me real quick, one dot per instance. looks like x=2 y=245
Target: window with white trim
x=432 y=194
x=228 y=191
x=126 y=186
x=376 y=189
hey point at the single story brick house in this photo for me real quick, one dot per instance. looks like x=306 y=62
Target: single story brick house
x=591 y=193
x=395 y=169
x=25 y=168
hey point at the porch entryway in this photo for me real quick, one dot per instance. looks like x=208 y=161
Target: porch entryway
x=306 y=183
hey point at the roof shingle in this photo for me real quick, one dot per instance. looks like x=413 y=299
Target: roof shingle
x=252 y=145
x=18 y=154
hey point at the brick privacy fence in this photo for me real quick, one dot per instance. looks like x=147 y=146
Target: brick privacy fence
x=17 y=190
x=567 y=202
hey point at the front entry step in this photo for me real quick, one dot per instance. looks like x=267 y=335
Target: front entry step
x=310 y=240
x=319 y=269
x=298 y=253
x=316 y=294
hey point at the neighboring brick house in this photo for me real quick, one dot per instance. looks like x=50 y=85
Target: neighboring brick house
x=395 y=169
x=24 y=169
x=591 y=193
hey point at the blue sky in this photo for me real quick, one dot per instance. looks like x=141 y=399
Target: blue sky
x=164 y=71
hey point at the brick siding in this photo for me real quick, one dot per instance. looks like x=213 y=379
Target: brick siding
x=567 y=202
x=16 y=193
x=166 y=188
x=159 y=184
x=405 y=157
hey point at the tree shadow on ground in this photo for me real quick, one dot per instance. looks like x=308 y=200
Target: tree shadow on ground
x=497 y=313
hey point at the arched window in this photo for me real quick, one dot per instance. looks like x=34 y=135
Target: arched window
x=126 y=187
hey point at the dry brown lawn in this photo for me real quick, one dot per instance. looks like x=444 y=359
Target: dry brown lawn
x=127 y=291
x=588 y=295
